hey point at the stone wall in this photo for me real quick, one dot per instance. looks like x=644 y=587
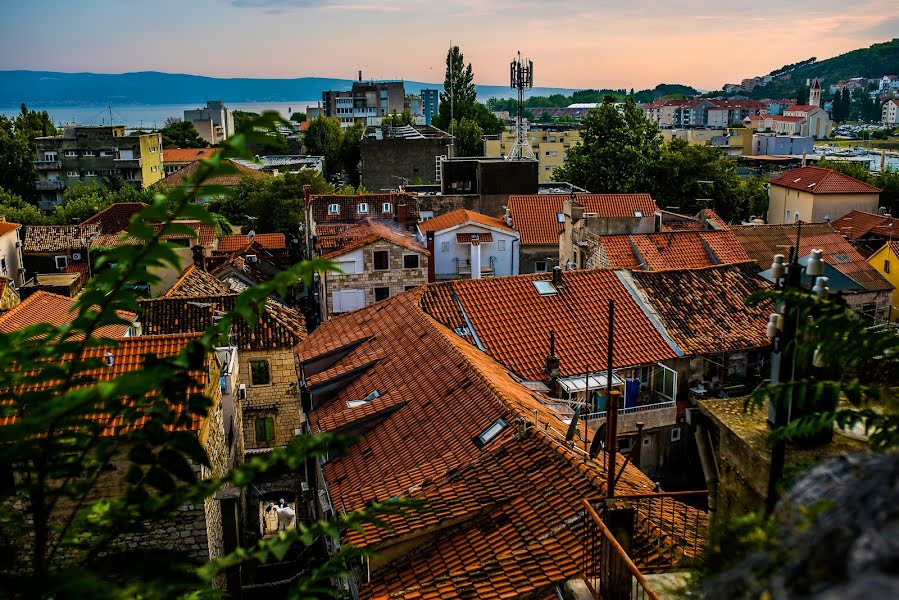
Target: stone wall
x=396 y=278
x=278 y=399
x=531 y=254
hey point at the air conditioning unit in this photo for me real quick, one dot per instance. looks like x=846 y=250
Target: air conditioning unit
x=76 y=256
x=242 y=392
x=251 y=258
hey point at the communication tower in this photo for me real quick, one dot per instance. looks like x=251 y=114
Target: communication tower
x=522 y=78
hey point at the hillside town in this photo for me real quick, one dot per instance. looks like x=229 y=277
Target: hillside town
x=553 y=337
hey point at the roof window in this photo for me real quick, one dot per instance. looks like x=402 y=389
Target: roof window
x=638 y=213
x=333 y=209
x=363 y=207
x=372 y=396
x=491 y=432
x=545 y=288
x=386 y=207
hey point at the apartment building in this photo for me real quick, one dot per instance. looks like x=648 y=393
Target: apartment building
x=550 y=145
x=214 y=122
x=366 y=102
x=430 y=104
x=88 y=155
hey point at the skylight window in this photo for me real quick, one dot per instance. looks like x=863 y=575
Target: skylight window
x=545 y=288
x=491 y=432
x=638 y=213
x=356 y=403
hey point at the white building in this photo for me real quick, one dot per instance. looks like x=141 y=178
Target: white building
x=11 y=252
x=463 y=238
x=890 y=115
x=214 y=123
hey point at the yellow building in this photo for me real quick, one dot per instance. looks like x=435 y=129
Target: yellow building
x=550 y=147
x=886 y=261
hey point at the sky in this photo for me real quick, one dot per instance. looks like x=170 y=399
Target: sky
x=573 y=43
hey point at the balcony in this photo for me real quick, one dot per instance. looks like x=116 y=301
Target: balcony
x=463 y=268
x=47 y=165
x=49 y=185
x=127 y=163
x=659 y=414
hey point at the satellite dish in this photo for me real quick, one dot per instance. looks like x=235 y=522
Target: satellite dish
x=599 y=441
x=572 y=427
x=251 y=235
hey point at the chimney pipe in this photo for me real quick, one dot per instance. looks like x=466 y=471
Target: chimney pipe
x=432 y=275
x=553 y=364
x=199 y=257
x=360 y=75
x=402 y=214
x=557 y=277
x=475 y=258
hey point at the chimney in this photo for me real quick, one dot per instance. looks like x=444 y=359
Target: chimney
x=432 y=275
x=360 y=75
x=557 y=277
x=307 y=191
x=475 y=257
x=553 y=364
x=199 y=257
x=402 y=214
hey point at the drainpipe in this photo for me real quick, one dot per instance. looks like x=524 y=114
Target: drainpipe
x=432 y=268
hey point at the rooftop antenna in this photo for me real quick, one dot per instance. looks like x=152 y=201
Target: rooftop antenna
x=522 y=78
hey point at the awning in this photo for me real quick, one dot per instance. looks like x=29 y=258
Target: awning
x=597 y=382
x=465 y=238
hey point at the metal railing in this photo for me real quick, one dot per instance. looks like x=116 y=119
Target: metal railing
x=633 y=409
x=609 y=573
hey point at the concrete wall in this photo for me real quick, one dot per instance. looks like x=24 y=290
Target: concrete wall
x=505 y=263
x=389 y=163
x=11 y=254
x=534 y=253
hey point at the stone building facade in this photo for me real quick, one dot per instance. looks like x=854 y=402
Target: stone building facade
x=275 y=398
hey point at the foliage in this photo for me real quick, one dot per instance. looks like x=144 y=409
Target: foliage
x=841 y=106
x=181 y=134
x=887 y=180
x=16 y=210
x=273 y=204
x=62 y=535
x=351 y=150
x=469 y=138
x=323 y=138
x=459 y=87
x=298 y=117
x=591 y=96
x=397 y=120
x=271 y=142
x=18 y=150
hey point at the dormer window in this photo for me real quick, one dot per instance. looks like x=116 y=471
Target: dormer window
x=387 y=207
x=638 y=213
x=333 y=209
x=363 y=208
x=491 y=432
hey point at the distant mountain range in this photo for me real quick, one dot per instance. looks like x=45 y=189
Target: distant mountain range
x=48 y=88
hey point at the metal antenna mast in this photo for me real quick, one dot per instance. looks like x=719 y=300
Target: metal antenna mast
x=522 y=78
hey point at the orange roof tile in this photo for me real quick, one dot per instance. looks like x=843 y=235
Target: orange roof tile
x=349 y=207
x=534 y=217
x=232 y=243
x=196 y=282
x=7 y=226
x=368 y=232
x=179 y=176
x=44 y=307
x=116 y=217
x=58 y=238
x=858 y=224
x=817 y=180
x=460 y=217
x=186 y=155
x=670 y=250
x=203 y=235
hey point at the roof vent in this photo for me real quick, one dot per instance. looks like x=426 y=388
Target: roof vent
x=109 y=359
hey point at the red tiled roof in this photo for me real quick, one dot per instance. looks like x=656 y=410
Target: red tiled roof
x=817 y=180
x=459 y=217
x=116 y=217
x=534 y=217
x=233 y=243
x=670 y=250
x=512 y=321
x=44 y=307
x=762 y=242
x=784 y=119
x=186 y=155
x=370 y=231
x=7 y=226
x=58 y=238
x=196 y=282
x=801 y=107
x=179 y=176
x=348 y=208
x=203 y=235
x=858 y=224
x=129 y=354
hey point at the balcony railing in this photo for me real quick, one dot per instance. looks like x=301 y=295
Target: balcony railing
x=49 y=185
x=127 y=163
x=663 y=532
x=47 y=165
x=659 y=414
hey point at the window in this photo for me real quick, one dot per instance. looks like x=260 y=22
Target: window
x=540 y=266
x=153 y=148
x=647 y=441
x=381 y=259
x=72 y=174
x=3 y=264
x=796 y=217
x=886 y=266
x=382 y=293
x=363 y=208
x=347 y=300
x=259 y=374
x=501 y=245
x=386 y=207
x=90 y=173
x=88 y=153
x=789 y=214
x=333 y=209
x=71 y=153
x=61 y=262
x=444 y=246
x=491 y=432
x=154 y=168
x=348 y=267
x=265 y=429
x=409 y=287
x=675 y=434
x=410 y=261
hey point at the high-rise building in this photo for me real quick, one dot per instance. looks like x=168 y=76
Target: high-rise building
x=214 y=123
x=366 y=102
x=430 y=103
x=90 y=155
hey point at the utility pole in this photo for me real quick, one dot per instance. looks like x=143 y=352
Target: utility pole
x=611 y=409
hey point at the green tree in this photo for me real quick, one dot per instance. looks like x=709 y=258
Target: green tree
x=298 y=117
x=487 y=121
x=61 y=537
x=181 y=134
x=271 y=142
x=888 y=182
x=802 y=95
x=18 y=150
x=16 y=210
x=399 y=119
x=459 y=94
x=323 y=137
x=351 y=151
x=619 y=151
x=469 y=138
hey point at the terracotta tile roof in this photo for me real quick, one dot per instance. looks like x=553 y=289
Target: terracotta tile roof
x=7 y=226
x=196 y=282
x=512 y=321
x=179 y=176
x=44 y=307
x=816 y=180
x=233 y=243
x=277 y=327
x=348 y=211
x=368 y=232
x=501 y=518
x=236 y=271
x=670 y=250
x=58 y=238
x=116 y=217
x=460 y=217
x=186 y=155
x=204 y=235
x=801 y=108
x=129 y=354
x=762 y=242
x=858 y=224
x=534 y=217
x=704 y=310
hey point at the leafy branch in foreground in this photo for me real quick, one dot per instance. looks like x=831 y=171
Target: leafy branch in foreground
x=102 y=454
